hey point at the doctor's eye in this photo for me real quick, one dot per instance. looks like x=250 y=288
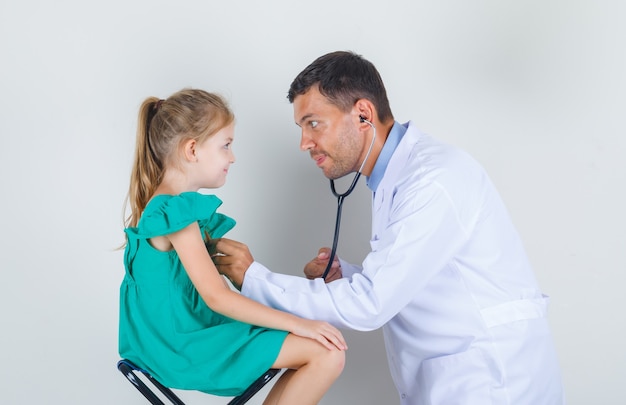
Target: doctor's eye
x=313 y=124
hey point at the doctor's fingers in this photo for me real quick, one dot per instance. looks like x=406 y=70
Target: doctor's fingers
x=233 y=268
x=237 y=262
x=316 y=272
x=323 y=253
x=334 y=274
x=231 y=247
x=315 y=269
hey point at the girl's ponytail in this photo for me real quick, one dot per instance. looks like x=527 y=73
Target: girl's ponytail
x=147 y=169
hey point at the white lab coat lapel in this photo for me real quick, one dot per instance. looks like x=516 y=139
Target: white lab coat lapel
x=383 y=196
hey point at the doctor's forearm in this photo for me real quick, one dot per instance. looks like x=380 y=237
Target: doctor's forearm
x=337 y=302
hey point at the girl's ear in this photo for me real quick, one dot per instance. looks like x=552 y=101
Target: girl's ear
x=189 y=150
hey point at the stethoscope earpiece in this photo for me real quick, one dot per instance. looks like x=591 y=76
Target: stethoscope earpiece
x=365 y=120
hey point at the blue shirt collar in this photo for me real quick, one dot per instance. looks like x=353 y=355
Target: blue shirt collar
x=395 y=135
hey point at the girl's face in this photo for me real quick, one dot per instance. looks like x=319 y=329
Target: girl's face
x=215 y=156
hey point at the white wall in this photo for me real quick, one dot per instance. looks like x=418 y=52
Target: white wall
x=534 y=89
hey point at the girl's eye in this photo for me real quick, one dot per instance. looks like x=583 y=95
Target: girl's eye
x=227 y=146
x=314 y=124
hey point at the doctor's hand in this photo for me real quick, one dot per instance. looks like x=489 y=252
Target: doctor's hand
x=315 y=268
x=231 y=258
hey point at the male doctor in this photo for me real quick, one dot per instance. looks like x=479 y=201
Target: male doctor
x=447 y=277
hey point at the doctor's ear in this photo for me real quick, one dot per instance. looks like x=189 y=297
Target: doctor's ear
x=365 y=110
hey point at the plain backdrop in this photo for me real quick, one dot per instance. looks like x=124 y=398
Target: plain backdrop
x=535 y=90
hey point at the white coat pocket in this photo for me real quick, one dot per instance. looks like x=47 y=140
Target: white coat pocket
x=461 y=378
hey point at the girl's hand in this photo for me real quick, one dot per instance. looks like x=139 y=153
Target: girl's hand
x=323 y=332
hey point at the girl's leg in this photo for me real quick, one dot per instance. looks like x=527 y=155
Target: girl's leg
x=279 y=386
x=312 y=370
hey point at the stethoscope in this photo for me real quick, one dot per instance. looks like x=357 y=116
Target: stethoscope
x=340 y=198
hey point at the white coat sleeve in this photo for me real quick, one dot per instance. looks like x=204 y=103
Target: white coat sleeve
x=421 y=235
x=348 y=269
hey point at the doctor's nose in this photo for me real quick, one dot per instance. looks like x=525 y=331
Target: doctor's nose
x=306 y=142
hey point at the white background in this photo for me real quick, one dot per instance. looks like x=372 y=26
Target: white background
x=535 y=90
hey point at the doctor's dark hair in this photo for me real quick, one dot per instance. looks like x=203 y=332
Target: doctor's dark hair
x=162 y=129
x=344 y=77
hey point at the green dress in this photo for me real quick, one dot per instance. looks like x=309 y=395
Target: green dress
x=165 y=326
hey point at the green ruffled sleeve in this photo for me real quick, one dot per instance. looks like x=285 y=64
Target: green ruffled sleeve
x=166 y=214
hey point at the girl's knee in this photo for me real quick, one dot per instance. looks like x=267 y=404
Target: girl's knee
x=340 y=360
x=333 y=361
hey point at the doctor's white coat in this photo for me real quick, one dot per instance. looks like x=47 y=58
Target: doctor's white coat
x=447 y=278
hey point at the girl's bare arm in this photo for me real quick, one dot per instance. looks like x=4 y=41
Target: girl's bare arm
x=219 y=297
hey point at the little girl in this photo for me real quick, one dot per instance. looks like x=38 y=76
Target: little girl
x=178 y=317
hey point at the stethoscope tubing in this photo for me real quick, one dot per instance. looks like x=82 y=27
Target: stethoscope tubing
x=340 y=198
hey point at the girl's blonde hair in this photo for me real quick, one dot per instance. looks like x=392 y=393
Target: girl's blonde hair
x=163 y=127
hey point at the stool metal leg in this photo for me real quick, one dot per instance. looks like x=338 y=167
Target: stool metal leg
x=128 y=368
x=254 y=387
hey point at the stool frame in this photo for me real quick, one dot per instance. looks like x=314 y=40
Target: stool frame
x=130 y=370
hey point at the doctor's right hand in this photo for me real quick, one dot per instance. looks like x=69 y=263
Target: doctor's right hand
x=315 y=268
x=231 y=258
